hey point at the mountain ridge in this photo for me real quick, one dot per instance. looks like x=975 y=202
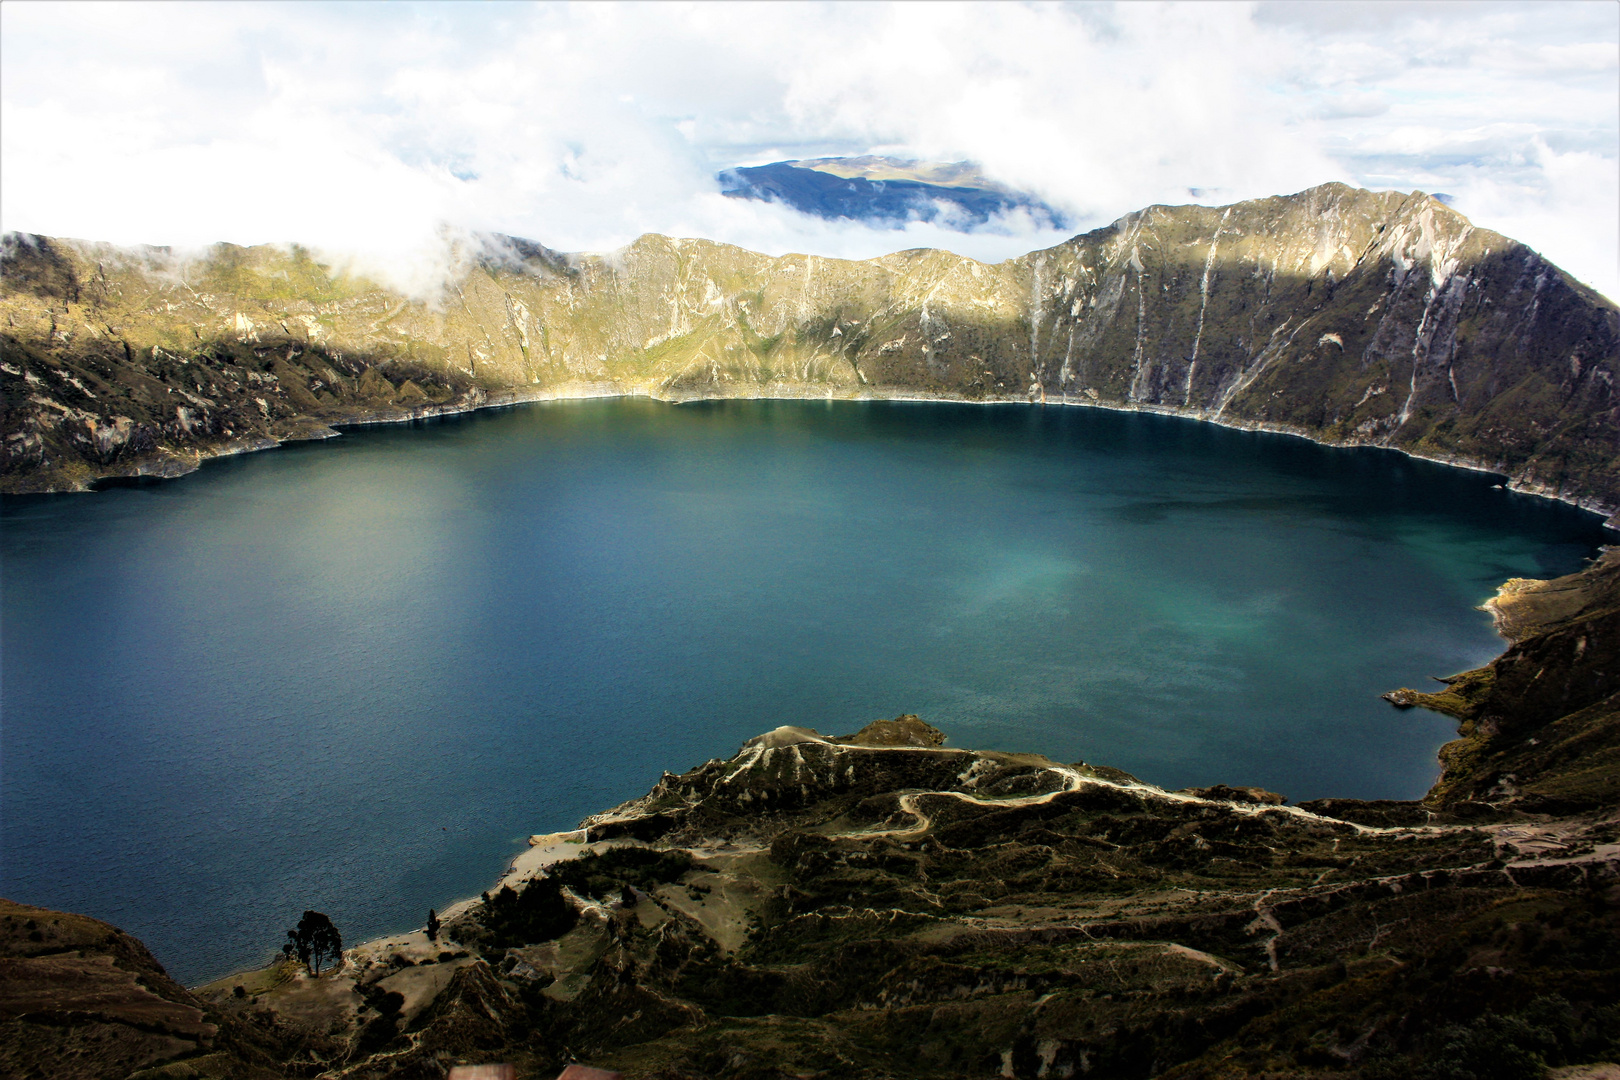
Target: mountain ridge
x=1346 y=316
x=887 y=191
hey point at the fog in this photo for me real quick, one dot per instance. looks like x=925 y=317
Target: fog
x=378 y=134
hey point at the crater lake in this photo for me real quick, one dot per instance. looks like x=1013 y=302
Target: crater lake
x=355 y=675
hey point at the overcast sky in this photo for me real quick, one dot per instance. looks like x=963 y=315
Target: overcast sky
x=369 y=128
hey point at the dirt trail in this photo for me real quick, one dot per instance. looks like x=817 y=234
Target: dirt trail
x=1075 y=781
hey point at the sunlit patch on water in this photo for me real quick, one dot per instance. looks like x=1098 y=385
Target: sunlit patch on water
x=1020 y=584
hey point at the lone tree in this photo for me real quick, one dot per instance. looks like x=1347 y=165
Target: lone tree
x=315 y=940
x=432 y=925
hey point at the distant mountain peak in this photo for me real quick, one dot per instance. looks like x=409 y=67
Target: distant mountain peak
x=962 y=174
x=888 y=192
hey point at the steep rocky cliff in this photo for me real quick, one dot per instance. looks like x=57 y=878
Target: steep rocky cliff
x=1350 y=316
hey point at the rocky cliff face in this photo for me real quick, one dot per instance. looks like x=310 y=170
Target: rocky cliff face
x=1350 y=316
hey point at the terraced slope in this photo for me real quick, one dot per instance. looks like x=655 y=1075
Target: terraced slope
x=1350 y=316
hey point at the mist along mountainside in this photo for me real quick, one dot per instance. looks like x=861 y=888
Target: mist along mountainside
x=1349 y=316
x=881 y=905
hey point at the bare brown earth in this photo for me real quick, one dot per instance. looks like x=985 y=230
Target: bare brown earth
x=80 y=999
x=1352 y=317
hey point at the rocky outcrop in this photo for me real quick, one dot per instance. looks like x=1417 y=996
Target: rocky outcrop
x=1349 y=316
x=1541 y=723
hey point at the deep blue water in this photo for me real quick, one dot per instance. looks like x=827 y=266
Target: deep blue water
x=354 y=675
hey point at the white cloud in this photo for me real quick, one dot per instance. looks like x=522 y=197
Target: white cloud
x=369 y=128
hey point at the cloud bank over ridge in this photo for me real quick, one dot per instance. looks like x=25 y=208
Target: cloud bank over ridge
x=370 y=131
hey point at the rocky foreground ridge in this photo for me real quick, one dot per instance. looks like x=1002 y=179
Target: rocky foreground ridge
x=1350 y=316
x=882 y=905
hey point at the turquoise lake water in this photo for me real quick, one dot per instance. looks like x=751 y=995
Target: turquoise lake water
x=355 y=675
